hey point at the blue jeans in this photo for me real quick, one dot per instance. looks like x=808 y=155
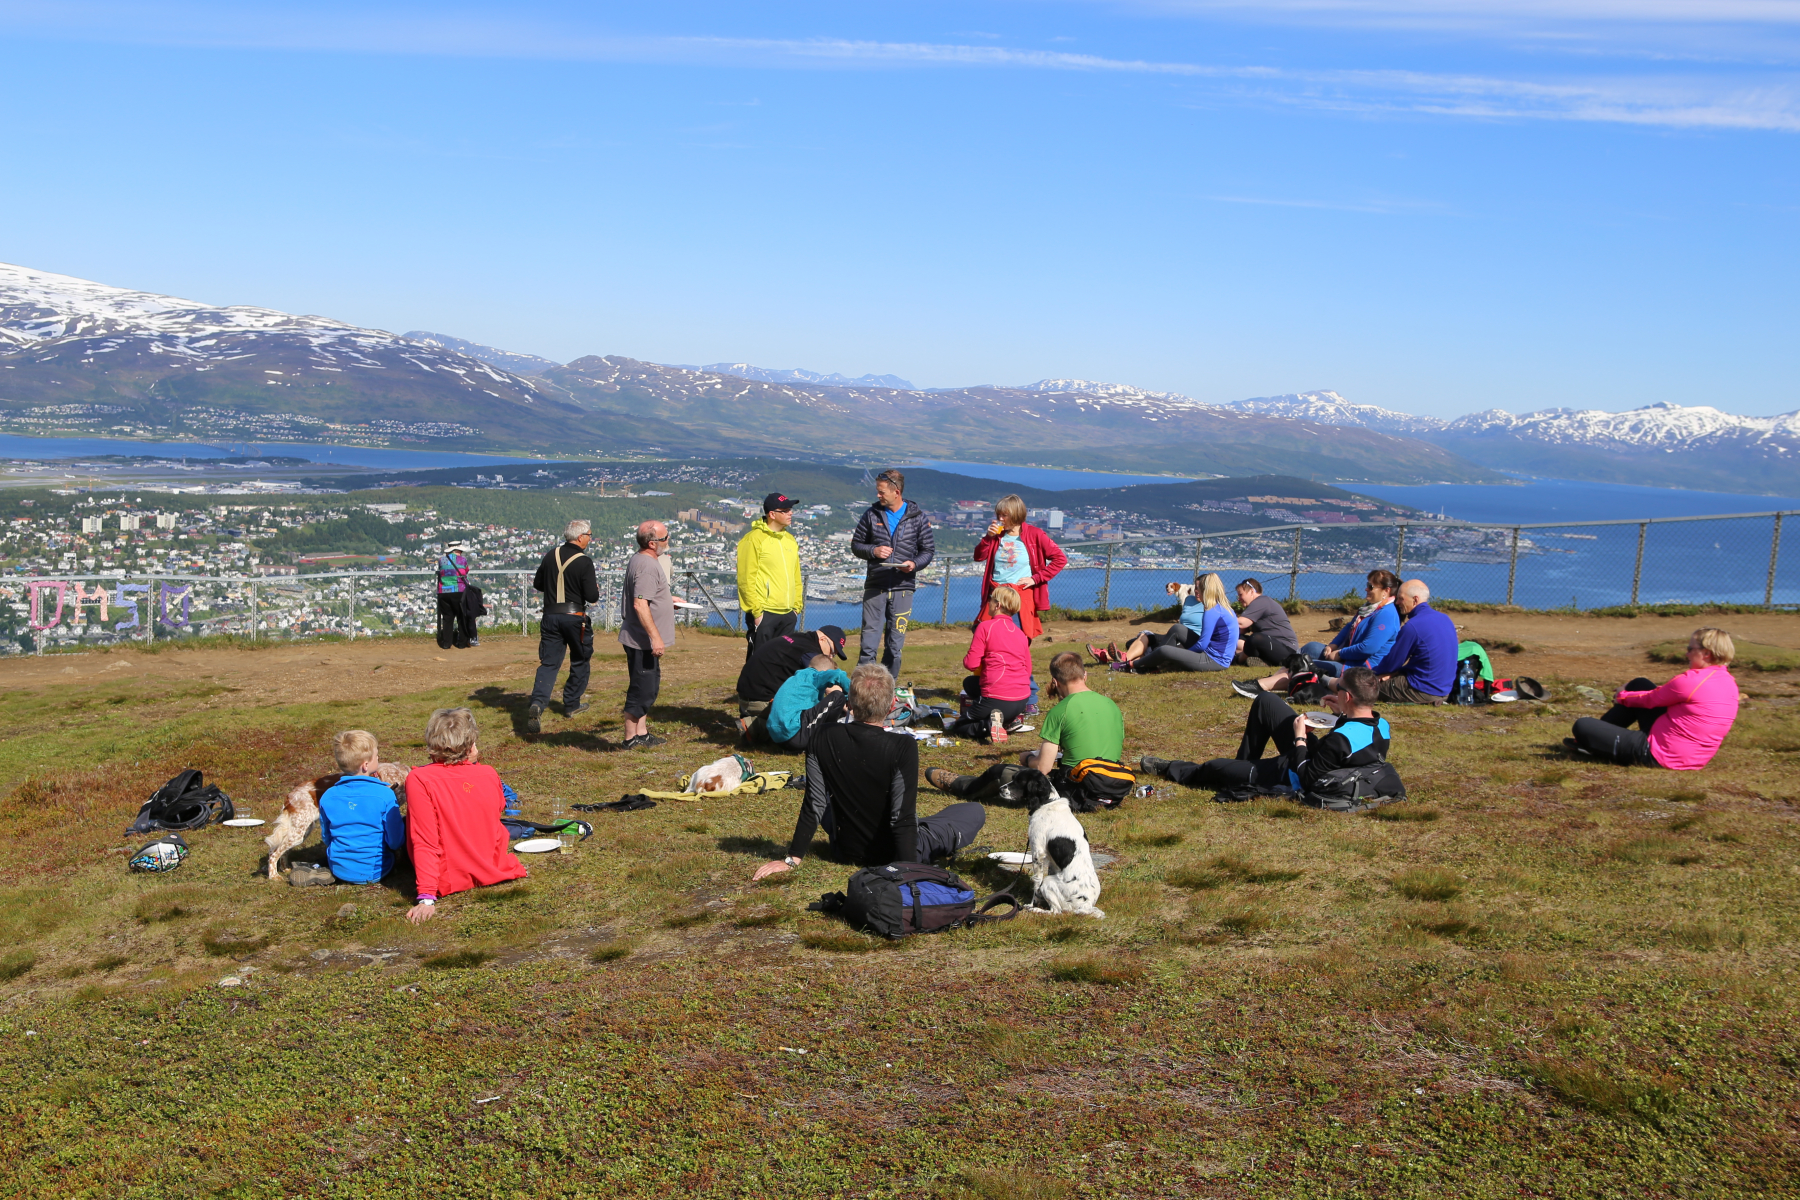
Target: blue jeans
x=1321 y=664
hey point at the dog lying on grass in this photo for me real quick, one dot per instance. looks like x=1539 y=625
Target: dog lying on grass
x=302 y=809
x=721 y=775
x=1062 y=866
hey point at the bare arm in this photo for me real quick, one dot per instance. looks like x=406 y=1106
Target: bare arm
x=1046 y=757
x=641 y=607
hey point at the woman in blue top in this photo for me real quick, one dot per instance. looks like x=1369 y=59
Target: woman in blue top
x=1204 y=641
x=1362 y=642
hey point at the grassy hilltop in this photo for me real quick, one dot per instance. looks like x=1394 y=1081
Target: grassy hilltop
x=1534 y=977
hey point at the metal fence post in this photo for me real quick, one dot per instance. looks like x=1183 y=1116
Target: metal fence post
x=150 y=599
x=1294 y=573
x=944 y=617
x=1637 y=569
x=1774 y=557
x=255 y=611
x=1512 y=569
x=352 y=621
x=524 y=598
x=1106 y=584
x=1199 y=550
x=1400 y=549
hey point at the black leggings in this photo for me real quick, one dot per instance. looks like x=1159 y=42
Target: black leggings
x=1612 y=737
x=1265 y=647
x=976 y=724
x=1270 y=717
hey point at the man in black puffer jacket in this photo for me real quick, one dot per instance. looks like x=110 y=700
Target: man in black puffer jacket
x=894 y=538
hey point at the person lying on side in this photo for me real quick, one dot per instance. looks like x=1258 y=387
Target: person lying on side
x=1680 y=725
x=1000 y=656
x=453 y=808
x=862 y=787
x=359 y=818
x=800 y=703
x=1366 y=639
x=1359 y=738
x=1203 y=641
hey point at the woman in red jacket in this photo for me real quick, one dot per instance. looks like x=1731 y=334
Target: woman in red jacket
x=453 y=807
x=1023 y=556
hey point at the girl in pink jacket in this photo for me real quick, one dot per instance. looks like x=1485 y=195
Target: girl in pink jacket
x=1000 y=653
x=1680 y=724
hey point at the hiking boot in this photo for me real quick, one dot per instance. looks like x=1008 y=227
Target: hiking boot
x=1249 y=689
x=580 y=707
x=534 y=718
x=1158 y=767
x=939 y=778
x=310 y=875
x=996 y=727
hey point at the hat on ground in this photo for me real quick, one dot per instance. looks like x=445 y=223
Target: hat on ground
x=776 y=502
x=835 y=635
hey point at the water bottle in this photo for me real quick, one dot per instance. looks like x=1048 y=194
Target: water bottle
x=1465 y=683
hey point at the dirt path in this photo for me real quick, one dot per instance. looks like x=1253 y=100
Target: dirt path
x=1597 y=648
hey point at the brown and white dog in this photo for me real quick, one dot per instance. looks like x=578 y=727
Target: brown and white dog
x=302 y=809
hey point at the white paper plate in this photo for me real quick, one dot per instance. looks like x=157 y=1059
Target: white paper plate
x=1010 y=858
x=1022 y=729
x=537 y=845
x=242 y=822
x=1505 y=697
x=686 y=604
x=1321 y=720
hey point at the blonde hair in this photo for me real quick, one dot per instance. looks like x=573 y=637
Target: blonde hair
x=1010 y=510
x=352 y=749
x=450 y=735
x=1212 y=590
x=819 y=662
x=1717 y=644
x=1005 y=599
x=871 y=692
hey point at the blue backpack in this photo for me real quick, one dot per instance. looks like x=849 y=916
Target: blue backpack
x=903 y=898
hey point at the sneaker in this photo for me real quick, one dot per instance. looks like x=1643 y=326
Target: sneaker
x=579 y=708
x=1249 y=689
x=630 y=743
x=310 y=875
x=474 y=642
x=534 y=719
x=939 y=778
x=1574 y=747
x=644 y=741
x=1118 y=655
x=1098 y=653
x=996 y=727
x=1158 y=767
x=1032 y=710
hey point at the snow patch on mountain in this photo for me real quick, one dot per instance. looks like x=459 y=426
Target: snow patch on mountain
x=1115 y=392
x=1329 y=408
x=1659 y=426
x=518 y=364
x=798 y=375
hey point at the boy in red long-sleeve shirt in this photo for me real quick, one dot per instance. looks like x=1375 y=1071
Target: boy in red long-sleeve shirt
x=453 y=807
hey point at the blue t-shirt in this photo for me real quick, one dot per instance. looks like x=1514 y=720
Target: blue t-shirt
x=362 y=826
x=1012 y=564
x=893 y=516
x=1425 y=652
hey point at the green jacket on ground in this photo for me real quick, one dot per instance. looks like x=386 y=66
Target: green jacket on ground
x=768 y=571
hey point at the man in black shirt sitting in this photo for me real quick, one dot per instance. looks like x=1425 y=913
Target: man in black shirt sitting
x=862 y=786
x=566 y=577
x=1359 y=738
x=774 y=661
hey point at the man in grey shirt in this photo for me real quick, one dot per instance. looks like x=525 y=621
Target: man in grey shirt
x=646 y=629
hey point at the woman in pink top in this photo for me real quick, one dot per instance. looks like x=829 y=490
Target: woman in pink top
x=1681 y=724
x=1001 y=654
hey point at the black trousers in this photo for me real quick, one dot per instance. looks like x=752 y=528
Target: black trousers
x=1270 y=718
x=975 y=725
x=561 y=633
x=941 y=834
x=1263 y=646
x=1613 y=737
x=764 y=626
x=643 y=669
x=455 y=627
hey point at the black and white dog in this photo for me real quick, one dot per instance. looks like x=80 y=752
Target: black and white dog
x=1062 y=866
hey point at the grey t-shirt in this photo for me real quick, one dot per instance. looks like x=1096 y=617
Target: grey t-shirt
x=1267 y=616
x=645 y=580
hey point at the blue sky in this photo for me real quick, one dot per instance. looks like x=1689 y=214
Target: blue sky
x=1433 y=205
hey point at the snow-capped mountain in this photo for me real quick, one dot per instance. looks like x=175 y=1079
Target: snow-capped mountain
x=1329 y=408
x=506 y=360
x=1661 y=426
x=797 y=375
x=1116 y=392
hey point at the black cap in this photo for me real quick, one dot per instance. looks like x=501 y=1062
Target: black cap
x=835 y=636
x=776 y=502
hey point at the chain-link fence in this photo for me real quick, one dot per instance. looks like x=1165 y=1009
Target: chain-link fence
x=1733 y=559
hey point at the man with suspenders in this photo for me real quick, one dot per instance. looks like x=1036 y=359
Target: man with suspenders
x=566 y=577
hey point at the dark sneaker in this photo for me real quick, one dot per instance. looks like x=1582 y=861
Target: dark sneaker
x=644 y=741
x=579 y=708
x=1158 y=767
x=310 y=875
x=534 y=719
x=1574 y=747
x=939 y=778
x=1249 y=689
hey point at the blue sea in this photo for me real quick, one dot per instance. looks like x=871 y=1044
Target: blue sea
x=377 y=458
x=1048 y=478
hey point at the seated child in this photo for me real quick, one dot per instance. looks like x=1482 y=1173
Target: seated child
x=453 y=829
x=800 y=706
x=1000 y=654
x=358 y=815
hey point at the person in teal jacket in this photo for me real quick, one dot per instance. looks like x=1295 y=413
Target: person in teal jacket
x=803 y=692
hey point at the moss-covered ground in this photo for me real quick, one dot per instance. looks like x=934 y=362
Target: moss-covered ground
x=1535 y=977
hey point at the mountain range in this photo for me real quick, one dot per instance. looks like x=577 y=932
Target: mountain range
x=84 y=357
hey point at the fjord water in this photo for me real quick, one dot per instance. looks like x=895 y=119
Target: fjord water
x=1533 y=500
x=1048 y=478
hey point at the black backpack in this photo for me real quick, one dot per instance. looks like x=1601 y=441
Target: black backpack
x=1355 y=789
x=903 y=898
x=185 y=802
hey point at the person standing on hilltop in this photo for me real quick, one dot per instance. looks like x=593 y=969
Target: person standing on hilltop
x=894 y=538
x=768 y=575
x=646 y=630
x=566 y=577
x=455 y=627
x=1022 y=555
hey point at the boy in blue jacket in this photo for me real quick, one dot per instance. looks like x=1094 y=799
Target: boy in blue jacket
x=358 y=815
x=799 y=703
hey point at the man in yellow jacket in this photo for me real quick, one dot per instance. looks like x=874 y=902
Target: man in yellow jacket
x=768 y=575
